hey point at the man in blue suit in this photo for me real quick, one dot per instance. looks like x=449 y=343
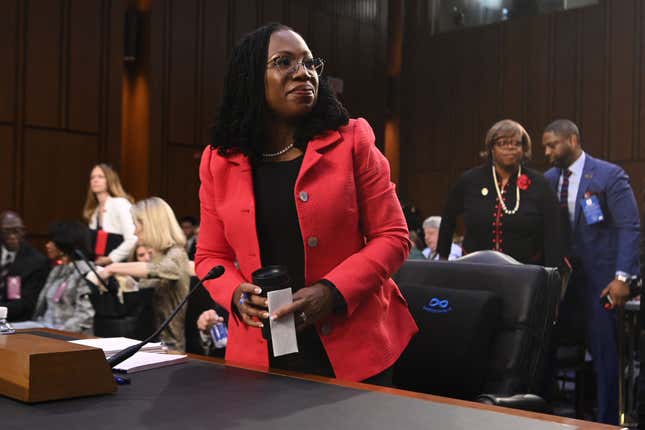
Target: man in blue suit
x=604 y=238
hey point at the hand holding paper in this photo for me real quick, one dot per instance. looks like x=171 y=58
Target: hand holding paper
x=310 y=305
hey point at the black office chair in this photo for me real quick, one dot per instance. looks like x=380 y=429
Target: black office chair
x=485 y=323
x=571 y=367
x=130 y=315
x=568 y=358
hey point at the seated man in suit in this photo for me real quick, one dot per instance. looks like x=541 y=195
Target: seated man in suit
x=431 y=234
x=23 y=270
x=599 y=203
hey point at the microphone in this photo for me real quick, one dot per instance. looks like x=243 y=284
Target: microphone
x=128 y=352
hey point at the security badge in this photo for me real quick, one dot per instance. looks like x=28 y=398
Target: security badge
x=592 y=209
x=14 y=288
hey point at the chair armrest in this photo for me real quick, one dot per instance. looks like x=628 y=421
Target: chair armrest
x=526 y=402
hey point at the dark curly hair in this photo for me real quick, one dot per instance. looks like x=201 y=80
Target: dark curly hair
x=69 y=236
x=239 y=125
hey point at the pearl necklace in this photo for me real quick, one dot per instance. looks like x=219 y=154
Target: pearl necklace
x=499 y=194
x=276 y=154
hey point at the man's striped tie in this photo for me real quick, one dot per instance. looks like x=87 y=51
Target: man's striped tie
x=564 y=190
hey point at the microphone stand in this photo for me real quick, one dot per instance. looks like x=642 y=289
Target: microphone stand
x=128 y=352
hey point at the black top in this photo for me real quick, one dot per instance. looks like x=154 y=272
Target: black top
x=281 y=243
x=533 y=235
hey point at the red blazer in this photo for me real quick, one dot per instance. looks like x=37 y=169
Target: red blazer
x=355 y=236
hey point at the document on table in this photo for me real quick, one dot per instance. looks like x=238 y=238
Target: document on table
x=19 y=325
x=112 y=345
x=283 y=330
x=149 y=360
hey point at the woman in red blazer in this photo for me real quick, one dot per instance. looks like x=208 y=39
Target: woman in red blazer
x=290 y=180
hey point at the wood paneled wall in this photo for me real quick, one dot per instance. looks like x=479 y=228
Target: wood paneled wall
x=62 y=77
x=60 y=89
x=189 y=47
x=64 y=88
x=586 y=65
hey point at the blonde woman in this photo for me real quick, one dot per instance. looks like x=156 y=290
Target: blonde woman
x=167 y=271
x=107 y=207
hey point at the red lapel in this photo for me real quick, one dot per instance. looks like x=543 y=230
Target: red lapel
x=315 y=150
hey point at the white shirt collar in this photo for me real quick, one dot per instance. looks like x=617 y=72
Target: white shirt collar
x=577 y=166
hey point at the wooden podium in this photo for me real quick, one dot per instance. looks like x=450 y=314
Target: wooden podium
x=36 y=369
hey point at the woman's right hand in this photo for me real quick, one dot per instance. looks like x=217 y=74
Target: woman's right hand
x=250 y=304
x=208 y=319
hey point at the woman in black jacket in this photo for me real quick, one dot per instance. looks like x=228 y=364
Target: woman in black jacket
x=506 y=206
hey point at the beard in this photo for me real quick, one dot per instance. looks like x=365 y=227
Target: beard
x=565 y=159
x=561 y=163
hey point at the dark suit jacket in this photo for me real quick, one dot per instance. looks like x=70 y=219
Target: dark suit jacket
x=32 y=267
x=610 y=245
x=192 y=248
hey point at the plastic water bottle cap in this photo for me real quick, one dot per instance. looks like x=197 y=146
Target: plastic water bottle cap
x=3 y=312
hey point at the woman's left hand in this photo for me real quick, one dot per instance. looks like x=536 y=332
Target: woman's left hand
x=310 y=305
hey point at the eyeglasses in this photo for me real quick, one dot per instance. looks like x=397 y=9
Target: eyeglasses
x=508 y=143
x=290 y=66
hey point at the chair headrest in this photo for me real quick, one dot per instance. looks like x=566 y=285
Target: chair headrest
x=488 y=257
x=516 y=284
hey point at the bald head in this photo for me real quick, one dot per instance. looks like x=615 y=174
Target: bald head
x=10 y=219
x=12 y=230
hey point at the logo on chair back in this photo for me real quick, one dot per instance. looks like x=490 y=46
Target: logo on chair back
x=438 y=306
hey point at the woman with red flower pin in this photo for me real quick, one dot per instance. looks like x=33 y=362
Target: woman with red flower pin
x=506 y=206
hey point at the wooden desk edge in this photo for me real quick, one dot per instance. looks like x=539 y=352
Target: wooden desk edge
x=582 y=425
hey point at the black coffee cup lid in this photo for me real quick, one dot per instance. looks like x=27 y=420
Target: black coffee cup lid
x=271 y=276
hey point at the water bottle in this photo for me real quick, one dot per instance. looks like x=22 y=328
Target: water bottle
x=219 y=333
x=5 y=327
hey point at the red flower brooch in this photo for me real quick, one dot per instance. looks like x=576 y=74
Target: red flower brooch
x=523 y=182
